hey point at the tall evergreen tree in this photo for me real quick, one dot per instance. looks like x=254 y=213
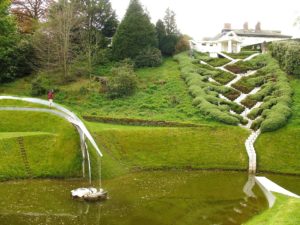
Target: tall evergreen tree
x=170 y=22
x=167 y=32
x=134 y=34
x=160 y=31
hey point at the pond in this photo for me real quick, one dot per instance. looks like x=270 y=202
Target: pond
x=143 y=198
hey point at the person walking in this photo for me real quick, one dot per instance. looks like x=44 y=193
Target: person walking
x=50 y=97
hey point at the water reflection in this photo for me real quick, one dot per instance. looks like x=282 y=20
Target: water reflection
x=163 y=198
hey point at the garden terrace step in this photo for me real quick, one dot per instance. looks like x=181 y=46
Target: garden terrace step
x=24 y=156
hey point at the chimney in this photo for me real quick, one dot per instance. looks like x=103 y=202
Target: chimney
x=257 y=27
x=245 y=26
x=227 y=26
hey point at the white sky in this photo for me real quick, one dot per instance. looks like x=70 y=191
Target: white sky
x=199 y=18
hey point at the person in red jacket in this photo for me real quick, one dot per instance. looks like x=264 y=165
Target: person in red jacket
x=50 y=97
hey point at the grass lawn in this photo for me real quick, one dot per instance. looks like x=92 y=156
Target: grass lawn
x=45 y=137
x=206 y=147
x=279 y=151
x=284 y=212
x=19 y=103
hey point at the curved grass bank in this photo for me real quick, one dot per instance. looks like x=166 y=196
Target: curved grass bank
x=284 y=212
x=148 y=148
x=279 y=151
x=44 y=137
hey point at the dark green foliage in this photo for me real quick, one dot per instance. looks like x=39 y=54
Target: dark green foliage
x=134 y=34
x=168 y=44
x=16 y=52
x=40 y=86
x=149 y=57
x=168 y=35
x=123 y=81
x=160 y=31
x=256 y=123
x=288 y=55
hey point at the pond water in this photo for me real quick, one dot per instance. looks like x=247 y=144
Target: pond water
x=144 y=198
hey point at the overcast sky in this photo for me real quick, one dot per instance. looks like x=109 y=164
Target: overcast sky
x=199 y=18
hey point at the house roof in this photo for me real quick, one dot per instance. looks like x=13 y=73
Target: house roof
x=249 y=33
x=262 y=33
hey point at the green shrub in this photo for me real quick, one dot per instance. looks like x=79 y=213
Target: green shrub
x=149 y=57
x=273 y=122
x=206 y=93
x=40 y=86
x=255 y=113
x=123 y=81
x=288 y=55
x=265 y=90
x=220 y=76
x=256 y=123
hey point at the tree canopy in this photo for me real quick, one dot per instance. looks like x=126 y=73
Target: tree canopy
x=134 y=34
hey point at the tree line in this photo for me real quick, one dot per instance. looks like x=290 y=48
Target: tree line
x=45 y=35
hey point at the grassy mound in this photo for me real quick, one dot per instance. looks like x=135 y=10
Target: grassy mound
x=204 y=147
x=284 y=212
x=44 y=137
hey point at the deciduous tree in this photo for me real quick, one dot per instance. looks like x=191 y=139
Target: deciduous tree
x=29 y=12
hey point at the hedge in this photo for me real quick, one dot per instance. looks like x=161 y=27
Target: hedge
x=276 y=95
x=245 y=66
x=206 y=93
x=288 y=55
x=275 y=92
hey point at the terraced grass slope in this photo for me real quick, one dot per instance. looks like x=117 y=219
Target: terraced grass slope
x=206 y=93
x=275 y=92
x=284 y=212
x=34 y=144
x=206 y=147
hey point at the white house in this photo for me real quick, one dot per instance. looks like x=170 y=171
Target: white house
x=232 y=40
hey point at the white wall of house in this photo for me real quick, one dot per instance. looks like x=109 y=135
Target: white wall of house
x=246 y=41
